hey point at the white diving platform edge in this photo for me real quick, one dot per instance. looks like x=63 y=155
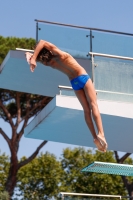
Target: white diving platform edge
x=109 y=168
x=29 y=50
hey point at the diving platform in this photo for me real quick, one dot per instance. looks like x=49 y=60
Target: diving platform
x=15 y=75
x=62 y=120
x=109 y=168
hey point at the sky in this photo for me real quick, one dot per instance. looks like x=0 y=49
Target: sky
x=17 y=19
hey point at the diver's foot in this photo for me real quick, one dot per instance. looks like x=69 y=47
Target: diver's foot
x=101 y=143
x=102 y=140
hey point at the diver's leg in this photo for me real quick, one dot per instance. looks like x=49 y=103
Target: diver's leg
x=88 y=118
x=91 y=97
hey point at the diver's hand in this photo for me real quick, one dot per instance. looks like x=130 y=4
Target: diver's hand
x=28 y=57
x=30 y=61
x=32 y=64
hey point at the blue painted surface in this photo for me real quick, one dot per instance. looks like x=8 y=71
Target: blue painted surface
x=109 y=168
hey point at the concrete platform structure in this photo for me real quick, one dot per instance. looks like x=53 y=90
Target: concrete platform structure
x=62 y=120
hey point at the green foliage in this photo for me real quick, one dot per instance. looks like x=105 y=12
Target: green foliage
x=45 y=176
x=4 y=168
x=40 y=178
x=11 y=43
x=4 y=196
x=17 y=108
x=75 y=181
x=129 y=161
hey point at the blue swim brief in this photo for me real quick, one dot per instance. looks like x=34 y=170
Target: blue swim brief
x=79 y=82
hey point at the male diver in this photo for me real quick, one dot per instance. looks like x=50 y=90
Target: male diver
x=49 y=55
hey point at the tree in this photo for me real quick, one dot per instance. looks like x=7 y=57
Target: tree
x=17 y=108
x=128 y=181
x=11 y=43
x=40 y=179
x=45 y=176
x=75 y=181
x=4 y=168
x=4 y=196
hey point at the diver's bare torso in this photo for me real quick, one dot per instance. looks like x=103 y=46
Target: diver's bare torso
x=66 y=64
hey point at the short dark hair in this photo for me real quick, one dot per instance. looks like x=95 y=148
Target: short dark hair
x=44 y=55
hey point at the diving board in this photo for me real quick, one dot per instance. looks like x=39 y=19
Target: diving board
x=109 y=168
x=62 y=120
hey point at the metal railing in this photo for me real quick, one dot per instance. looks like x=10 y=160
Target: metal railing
x=66 y=90
x=92 y=54
x=89 y=34
x=83 y=27
x=85 y=41
x=110 y=56
x=63 y=194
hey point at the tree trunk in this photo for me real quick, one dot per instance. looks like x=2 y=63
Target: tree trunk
x=128 y=185
x=130 y=190
x=12 y=176
x=22 y=108
x=15 y=166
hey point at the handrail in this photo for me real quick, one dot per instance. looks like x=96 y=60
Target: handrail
x=64 y=87
x=104 y=91
x=83 y=27
x=96 y=195
x=29 y=50
x=110 y=56
x=91 y=53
